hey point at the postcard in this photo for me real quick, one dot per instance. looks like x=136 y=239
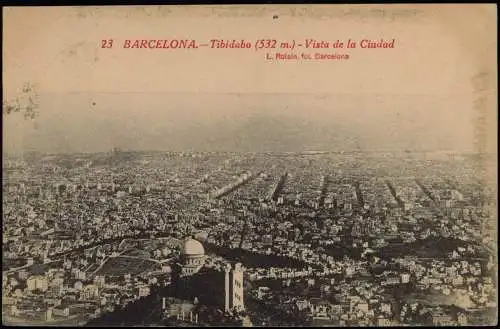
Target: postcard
x=250 y=165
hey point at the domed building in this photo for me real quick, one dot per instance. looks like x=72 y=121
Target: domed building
x=192 y=257
x=214 y=286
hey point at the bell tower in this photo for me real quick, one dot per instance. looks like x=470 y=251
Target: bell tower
x=234 y=288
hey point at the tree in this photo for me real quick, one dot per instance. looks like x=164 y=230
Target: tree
x=26 y=103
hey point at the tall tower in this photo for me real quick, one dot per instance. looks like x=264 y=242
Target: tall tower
x=237 y=279
x=227 y=289
x=234 y=288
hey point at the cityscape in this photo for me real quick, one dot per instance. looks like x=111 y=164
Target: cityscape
x=216 y=186
x=368 y=238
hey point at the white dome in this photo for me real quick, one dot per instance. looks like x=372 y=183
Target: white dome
x=191 y=247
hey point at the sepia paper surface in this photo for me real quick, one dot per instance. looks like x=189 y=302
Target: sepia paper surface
x=343 y=155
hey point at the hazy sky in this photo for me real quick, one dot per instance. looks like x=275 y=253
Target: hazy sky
x=417 y=96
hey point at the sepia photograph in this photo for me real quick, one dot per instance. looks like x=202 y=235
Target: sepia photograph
x=257 y=165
